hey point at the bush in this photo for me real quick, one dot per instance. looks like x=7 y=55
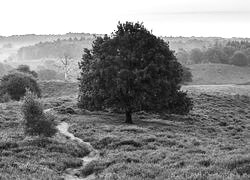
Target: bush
x=239 y=59
x=181 y=104
x=35 y=120
x=196 y=56
x=16 y=83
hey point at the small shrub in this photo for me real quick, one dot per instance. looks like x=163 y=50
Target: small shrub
x=181 y=104
x=7 y=145
x=15 y=84
x=36 y=122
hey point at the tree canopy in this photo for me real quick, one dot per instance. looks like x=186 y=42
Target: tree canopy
x=239 y=59
x=131 y=70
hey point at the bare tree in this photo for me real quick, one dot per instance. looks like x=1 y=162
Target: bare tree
x=66 y=61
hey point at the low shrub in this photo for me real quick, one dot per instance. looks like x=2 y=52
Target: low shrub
x=35 y=120
x=16 y=83
x=181 y=104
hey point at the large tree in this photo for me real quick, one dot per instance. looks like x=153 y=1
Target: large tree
x=131 y=70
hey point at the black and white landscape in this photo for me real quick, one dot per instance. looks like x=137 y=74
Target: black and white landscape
x=125 y=90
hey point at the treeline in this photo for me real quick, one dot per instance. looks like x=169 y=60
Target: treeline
x=33 y=38
x=72 y=47
x=233 y=52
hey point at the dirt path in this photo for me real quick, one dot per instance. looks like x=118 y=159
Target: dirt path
x=93 y=155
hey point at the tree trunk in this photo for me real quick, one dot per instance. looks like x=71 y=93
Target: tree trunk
x=129 y=117
x=65 y=73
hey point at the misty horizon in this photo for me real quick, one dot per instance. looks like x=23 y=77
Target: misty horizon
x=225 y=18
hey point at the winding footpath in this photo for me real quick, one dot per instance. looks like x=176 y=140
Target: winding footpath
x=93 y=155
x=74 y=173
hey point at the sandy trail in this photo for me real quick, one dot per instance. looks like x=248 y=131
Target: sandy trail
x=93 y=155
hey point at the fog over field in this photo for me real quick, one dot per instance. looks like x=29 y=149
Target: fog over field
x=125 y=90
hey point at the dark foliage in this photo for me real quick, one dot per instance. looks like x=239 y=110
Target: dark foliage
x=35 y=121
x=131 y=70
x=16 y=83
x=26 y=69
x=196 y=56
x=215 y=55
x=239 y=59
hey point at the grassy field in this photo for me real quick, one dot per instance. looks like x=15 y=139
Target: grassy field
x=219 y=74
x=211 y=143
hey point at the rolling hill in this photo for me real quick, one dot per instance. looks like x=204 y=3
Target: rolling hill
x=219 y=74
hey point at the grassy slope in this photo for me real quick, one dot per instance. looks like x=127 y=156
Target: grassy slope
x=219 y=74
x=213 y=142
x=58 y=88
x=24 y=157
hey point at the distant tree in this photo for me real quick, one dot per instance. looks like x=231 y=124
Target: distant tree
x=239 y=59
x=16 y=83
x=229 y=51
x=247 y=53
x=26 y=69
x=215 y=55
x=131 y=70
x=66 y=62
x=196 y=56
x=46 y=74
x=182 y=56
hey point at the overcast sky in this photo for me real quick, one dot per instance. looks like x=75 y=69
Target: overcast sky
x=225 y=18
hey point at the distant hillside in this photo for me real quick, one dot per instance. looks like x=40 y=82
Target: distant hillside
x=56 y=49
x=219 y=74
x=9 y=45
x=33 y=38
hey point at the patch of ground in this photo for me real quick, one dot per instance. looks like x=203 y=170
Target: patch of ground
x=219 y=74
x=227 y=89
x=58 y=88
x=211 y=143
x=25 y=157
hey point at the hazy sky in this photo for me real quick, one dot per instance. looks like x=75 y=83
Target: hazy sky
x=225 y=18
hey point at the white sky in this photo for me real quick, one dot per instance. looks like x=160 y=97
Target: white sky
x=225 y=18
